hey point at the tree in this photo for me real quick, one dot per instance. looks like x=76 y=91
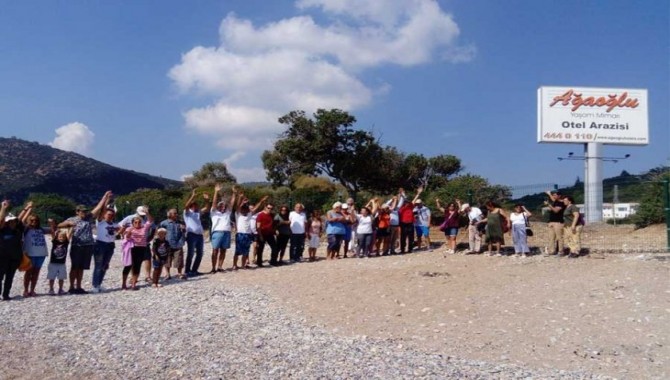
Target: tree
x=51 y=206
x=326 y=144
x=209 y=174
x=159 y=201
x=651 y=209
x=466 y=187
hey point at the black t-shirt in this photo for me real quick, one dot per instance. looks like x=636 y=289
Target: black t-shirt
x=58 y=251
x=161 y=248
x=557 y=217
x=11 y=241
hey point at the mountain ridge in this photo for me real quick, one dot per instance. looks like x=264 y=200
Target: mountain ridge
x=30 y=167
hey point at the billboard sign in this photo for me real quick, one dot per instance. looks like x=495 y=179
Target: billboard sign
x=592 y=115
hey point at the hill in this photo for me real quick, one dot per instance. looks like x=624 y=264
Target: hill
x=629 y=189
x=29 y=167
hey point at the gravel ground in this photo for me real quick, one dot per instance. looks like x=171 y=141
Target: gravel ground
x=206 y=327
x=412 y=316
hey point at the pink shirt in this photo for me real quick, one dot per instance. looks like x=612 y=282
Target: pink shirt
x=139 y=235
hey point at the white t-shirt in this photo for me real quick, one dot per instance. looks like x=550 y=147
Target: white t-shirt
x=364 y=224
x=192 y=220
x=243 y=223
x=105 y=231
x=517 y=219
x=422 y=216
x=220 y=220
x=297 y=220
x=475 y=214
x=34 y=242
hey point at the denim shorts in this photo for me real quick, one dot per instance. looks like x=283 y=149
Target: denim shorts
x=37 y=261
x=157 y=264
x=421 y=231
x=451 y=231
x=242 y=244
x=220 y=239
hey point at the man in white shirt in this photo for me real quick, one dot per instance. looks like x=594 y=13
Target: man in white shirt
x=297 y=220
x=474 y=217
x=220 y=214
x=421 y=223
x=194 y=234
x=106 y=231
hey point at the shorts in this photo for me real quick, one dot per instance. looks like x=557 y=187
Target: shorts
x=383 y=232
x=347 y=233
x=147 y=254
x=421 y=231
x=220 y=239
x=176 y=257
x=334 y=242
x=157 y=264
x=56 y=271
x=451 y=231
x=242 y=244
x=37 y=261
x=314 y=241
x=80 y=256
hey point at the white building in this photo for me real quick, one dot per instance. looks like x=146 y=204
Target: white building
x=616 y=210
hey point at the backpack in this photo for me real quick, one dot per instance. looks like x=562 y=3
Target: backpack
x=581 y=221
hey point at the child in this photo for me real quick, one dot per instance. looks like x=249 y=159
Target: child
x=160 y=250
x=56 y=268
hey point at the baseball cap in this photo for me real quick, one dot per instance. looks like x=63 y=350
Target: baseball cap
x=10 y=217
x=464 y=206
x=141 y=211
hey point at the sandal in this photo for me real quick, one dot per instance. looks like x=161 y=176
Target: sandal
x=168 y=277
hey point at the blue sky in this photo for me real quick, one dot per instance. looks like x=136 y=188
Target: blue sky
x=165 y=86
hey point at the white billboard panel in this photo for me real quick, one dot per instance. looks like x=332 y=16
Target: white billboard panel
x=592 y=115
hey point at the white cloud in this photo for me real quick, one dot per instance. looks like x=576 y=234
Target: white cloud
x=259 y=72
x=254 y=174
x=73 y=137
x=230 y=160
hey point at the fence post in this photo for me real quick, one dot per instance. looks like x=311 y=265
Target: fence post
x=666 y=196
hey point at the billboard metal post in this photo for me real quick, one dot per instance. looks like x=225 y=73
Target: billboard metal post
x=593 y=182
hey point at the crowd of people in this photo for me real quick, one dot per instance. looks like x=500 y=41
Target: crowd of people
x=155 y=249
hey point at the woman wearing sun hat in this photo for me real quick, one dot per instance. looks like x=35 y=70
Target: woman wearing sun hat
x=11 y=249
